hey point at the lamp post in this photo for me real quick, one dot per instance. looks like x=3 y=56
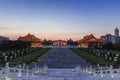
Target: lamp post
x=117 y=55
x=15 y=55
x=6 y=58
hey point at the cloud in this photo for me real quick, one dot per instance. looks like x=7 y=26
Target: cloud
x=4 y=28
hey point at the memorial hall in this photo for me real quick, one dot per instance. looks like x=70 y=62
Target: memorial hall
x=34 y=41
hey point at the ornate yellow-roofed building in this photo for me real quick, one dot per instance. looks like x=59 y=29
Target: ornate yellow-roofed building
x=90 y=41
x=59 y=43
x=35 y=42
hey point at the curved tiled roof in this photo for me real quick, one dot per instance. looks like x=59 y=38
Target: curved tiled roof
x=29 y=37
x=90 y=38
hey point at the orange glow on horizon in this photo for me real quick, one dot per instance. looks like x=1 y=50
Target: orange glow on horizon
x=49 y=36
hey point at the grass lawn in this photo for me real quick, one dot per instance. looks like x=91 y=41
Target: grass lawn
x=29 y=58
x=92 y=59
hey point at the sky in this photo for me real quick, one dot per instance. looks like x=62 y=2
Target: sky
x=58 y=19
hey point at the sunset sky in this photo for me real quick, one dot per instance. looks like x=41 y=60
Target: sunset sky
x=58 y=19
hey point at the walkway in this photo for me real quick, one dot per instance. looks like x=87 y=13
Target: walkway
x=61 y=58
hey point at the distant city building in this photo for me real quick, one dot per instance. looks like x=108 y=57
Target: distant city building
x=35 y=42
x=116 y=32
x=112 y=38
x=2 y=38
x=107 y=38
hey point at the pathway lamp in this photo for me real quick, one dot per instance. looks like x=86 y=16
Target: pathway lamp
x=6 y=58
x=33 y=62
x=102 y=51
x=106 y=56
x=12 y=52
x=110 y=58
x=18 y=51
x=11 y=57
x=4 y=54
x=24 y=64
x=98 y=65
x=115 y=59
x=99 y=54
x=108 y=53
x=97 y=50
x=117 y=55
x=22 y=53
x=15 y=55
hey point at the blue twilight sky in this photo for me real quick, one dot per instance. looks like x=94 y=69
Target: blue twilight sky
x=58 y=19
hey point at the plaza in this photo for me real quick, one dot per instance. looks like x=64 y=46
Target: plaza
x=59 y=63
x=61 y=58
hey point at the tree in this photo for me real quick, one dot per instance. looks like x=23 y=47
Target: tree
x=109 y=46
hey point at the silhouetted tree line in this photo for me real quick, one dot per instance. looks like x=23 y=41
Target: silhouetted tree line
x=111 y=46
x=9 y=45
x=72 y=43
x=47 y=43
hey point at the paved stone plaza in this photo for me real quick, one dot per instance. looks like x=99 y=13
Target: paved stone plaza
x=61 y=58
x=59 y=64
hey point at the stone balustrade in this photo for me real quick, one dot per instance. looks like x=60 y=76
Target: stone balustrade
x=13 y=73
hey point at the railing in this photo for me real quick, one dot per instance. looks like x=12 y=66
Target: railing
x=101 y=71
x=13 y=73
x=111 y=72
